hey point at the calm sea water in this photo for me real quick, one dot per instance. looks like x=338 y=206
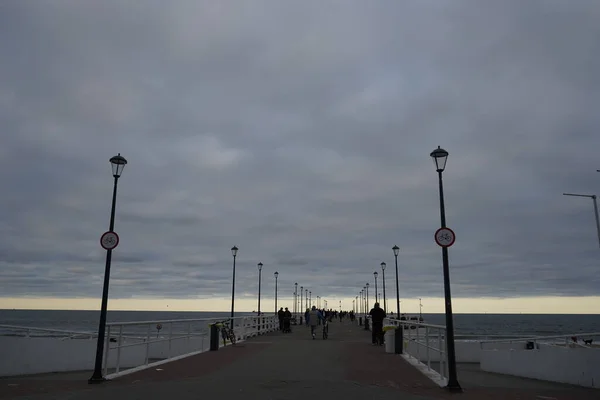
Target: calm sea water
x=465 y=324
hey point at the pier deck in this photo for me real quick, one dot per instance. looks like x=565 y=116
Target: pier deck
x=288 y=366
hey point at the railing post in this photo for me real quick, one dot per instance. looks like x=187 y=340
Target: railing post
x=427 y=347
x=147 y=345
x=119 y=344
x=418 y=341
x=106 y=350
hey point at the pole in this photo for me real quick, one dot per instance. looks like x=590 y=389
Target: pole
x=384 y=298
x=276 y=295
x=233 y=288
x=97 y=375
x=597 y=220
x=296 y=300
x=453 y=384
x=376 y=289
x=301 y=304
x=259 y=279
x=397 y=290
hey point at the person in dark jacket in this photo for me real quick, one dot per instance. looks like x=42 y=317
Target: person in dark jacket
x=280 y=315
x=287 y=318
x=377 y=316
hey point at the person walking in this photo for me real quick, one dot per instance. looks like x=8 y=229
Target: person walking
x=314 y=316
x=281 y=315
x=377 y=316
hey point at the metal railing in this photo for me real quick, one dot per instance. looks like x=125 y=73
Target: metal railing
x=423 y=341
x=556 y=340
x=183 y=337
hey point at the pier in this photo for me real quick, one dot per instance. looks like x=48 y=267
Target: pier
x=279 y=365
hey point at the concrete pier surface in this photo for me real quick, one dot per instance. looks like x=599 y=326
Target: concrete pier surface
x=288 y=367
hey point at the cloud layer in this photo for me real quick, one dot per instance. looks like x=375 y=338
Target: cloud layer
x=300 y=133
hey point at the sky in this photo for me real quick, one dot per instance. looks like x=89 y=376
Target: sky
x=299 y=132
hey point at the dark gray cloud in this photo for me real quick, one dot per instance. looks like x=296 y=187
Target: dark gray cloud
x=300 y=133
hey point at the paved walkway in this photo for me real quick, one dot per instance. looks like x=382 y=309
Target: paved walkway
x=278 y=366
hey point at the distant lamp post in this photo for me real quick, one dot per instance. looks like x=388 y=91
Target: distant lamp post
x=260 y=265
x=368 y=305
x=108 y=241
x=375 y=275
x=276 y=276
x=306 y=298
x=593 y=197
x=301 y=303
x=310 y=298
x=296 y=300
x=234 y=251
x=440 y=156
x=396 y=252
x=383 y=283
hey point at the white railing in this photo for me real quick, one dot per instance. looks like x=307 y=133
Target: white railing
x=182 y=338
x=557 y=340
x=424 y=342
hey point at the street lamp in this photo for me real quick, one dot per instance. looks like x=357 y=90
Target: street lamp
x=310 y=298
x=396 y=251
x=306 y=298
x=301 y=303
x=296 y=300
x=383 y=282
x=375 y=275
x=440 y=156
x=276 y=276
x=367 y=295
x=260 y=265
x=593 y=197
x=234 y=251
x=117 y=163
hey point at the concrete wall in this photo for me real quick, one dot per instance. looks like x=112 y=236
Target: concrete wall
x=578 y=366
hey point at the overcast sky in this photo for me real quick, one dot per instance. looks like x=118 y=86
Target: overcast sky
x=300 y=132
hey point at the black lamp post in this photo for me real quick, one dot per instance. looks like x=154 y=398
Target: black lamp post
x=118 y=163
x=383 y=282
x=367 y=285
x=396 y=251
x=276 y=276
x=440 y=156
x=260 y=265
x=375 y=275
x=301 y=304
x=234 y=251
x=306 y=298
x=296 y=300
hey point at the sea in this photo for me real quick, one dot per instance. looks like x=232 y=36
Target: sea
x=472 y=325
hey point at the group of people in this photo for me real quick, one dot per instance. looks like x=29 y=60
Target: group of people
x=314 y=317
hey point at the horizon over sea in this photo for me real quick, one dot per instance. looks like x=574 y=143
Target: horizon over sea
x=465 y=324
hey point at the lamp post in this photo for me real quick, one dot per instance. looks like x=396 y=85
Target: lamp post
x=296 y=300
x=260 y=265
x=367 y=285
x=301 y=303
x=310 y=298
x=383 y=282
x=593 y=197
x=276 y=276
x=234 y=251
x=440 y=156
x=375 y=275
x=118 y=163
x=306 y=298
x=396 y=251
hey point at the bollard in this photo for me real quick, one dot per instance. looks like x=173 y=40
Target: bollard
x=399 y=340
x=366 y=324
x=214 y=337
x=359 y=321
